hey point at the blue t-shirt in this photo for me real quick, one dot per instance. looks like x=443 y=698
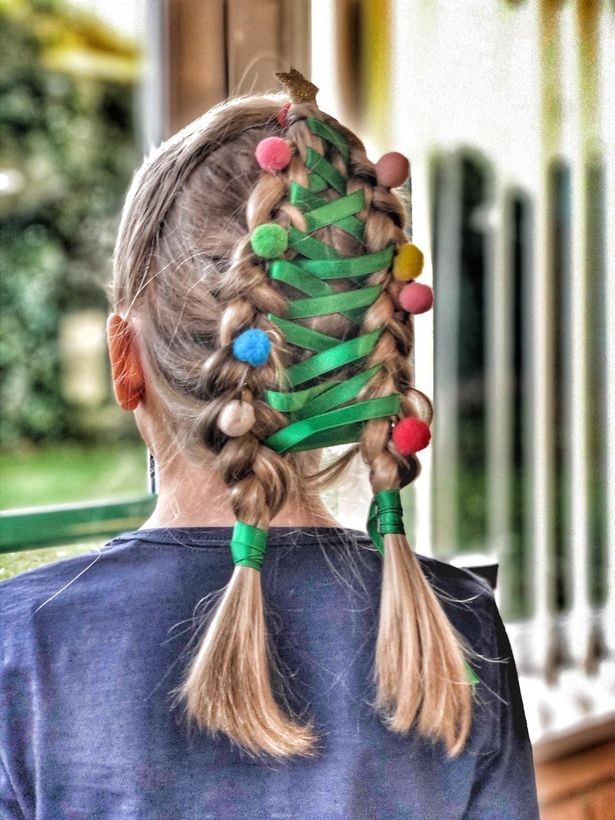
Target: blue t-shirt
x=92 y=646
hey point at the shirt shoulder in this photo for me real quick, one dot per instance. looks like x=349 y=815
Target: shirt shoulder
x=23 y=593
x=453 y=576
x=465 y=596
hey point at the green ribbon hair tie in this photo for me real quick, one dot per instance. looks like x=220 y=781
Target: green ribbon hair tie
x=248 y=545
x=385 y=517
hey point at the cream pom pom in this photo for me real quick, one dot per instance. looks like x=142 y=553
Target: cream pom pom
x=236 y=418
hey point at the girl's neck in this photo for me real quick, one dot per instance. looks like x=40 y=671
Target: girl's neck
x=190 y=496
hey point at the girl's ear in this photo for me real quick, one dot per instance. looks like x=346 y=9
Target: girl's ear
x=128 y=382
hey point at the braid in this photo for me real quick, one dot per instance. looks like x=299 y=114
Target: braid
x=420 y=657
x=219 y=695
x=186 y=248
x=414 y=632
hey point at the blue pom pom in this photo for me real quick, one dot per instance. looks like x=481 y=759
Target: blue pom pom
x=252 y=346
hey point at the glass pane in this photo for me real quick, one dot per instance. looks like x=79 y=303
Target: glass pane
x=472 y=441
x=597 y=323
x=559 y=180
x=517 y=563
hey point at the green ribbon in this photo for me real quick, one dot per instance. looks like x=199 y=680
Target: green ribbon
x=385 y=517
x=334 y=358
x=319 y=165
x=333 y=302
x=327 y=413
x=339 y=393
x=338 y=213
x=350 y=267
x=248 y=545
x=472 y=676
x=308 y=246
x=326 y=132
x=298 y=436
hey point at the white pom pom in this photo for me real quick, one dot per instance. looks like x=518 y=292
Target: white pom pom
x=236 y=418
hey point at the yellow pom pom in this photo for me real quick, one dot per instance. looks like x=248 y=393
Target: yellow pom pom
x=408 y=262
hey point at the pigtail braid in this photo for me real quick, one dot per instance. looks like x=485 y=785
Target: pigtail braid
x=420 y=659
x=228 y=685
x=420 y=671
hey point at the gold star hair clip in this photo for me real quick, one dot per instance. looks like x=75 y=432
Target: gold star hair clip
x=300 y=89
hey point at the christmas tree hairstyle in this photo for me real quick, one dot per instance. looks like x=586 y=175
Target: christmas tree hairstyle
x=263 y=262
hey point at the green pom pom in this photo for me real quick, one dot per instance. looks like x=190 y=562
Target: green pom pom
x=269 y=240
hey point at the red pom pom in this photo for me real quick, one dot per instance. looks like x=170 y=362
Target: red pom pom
x=282 y=114
x=410 y=435
x=273 y=154
x=392 y=169
x=416 y=298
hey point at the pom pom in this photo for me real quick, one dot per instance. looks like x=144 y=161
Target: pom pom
x=410 y=435
x=392 y=169
x=282 y=115
x=416 y=298
x=408 y=262
x=236 y=418
x=273 y=154
x=269 y=240
x=252 y=346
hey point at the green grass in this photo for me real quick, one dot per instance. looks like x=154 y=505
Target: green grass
x=65 y=473
x=62 y=474
x=16 y=562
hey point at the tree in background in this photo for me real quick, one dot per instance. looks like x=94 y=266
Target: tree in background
x=67 y=119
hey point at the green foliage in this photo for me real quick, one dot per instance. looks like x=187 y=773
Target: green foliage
x=16 y=562
x=69 y=149
x=33 y=476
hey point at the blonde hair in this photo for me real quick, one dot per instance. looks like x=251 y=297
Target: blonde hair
x=185 y=270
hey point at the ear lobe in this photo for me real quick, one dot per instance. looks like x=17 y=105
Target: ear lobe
x=128 y=381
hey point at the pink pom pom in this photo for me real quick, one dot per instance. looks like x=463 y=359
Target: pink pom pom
x=411 y=435
x=273 y=154
x=416 y=298
x=392 y=169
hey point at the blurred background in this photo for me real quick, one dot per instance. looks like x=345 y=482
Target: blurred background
x=505 y=111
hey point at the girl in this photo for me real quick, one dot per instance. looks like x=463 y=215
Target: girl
x=261 y=298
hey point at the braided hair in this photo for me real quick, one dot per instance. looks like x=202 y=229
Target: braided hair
x=187 y=274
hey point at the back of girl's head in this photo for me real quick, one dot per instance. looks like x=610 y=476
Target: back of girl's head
x=189 y=281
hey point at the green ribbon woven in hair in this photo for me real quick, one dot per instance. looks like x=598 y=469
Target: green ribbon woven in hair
x=248 y=545
x=330 y=412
